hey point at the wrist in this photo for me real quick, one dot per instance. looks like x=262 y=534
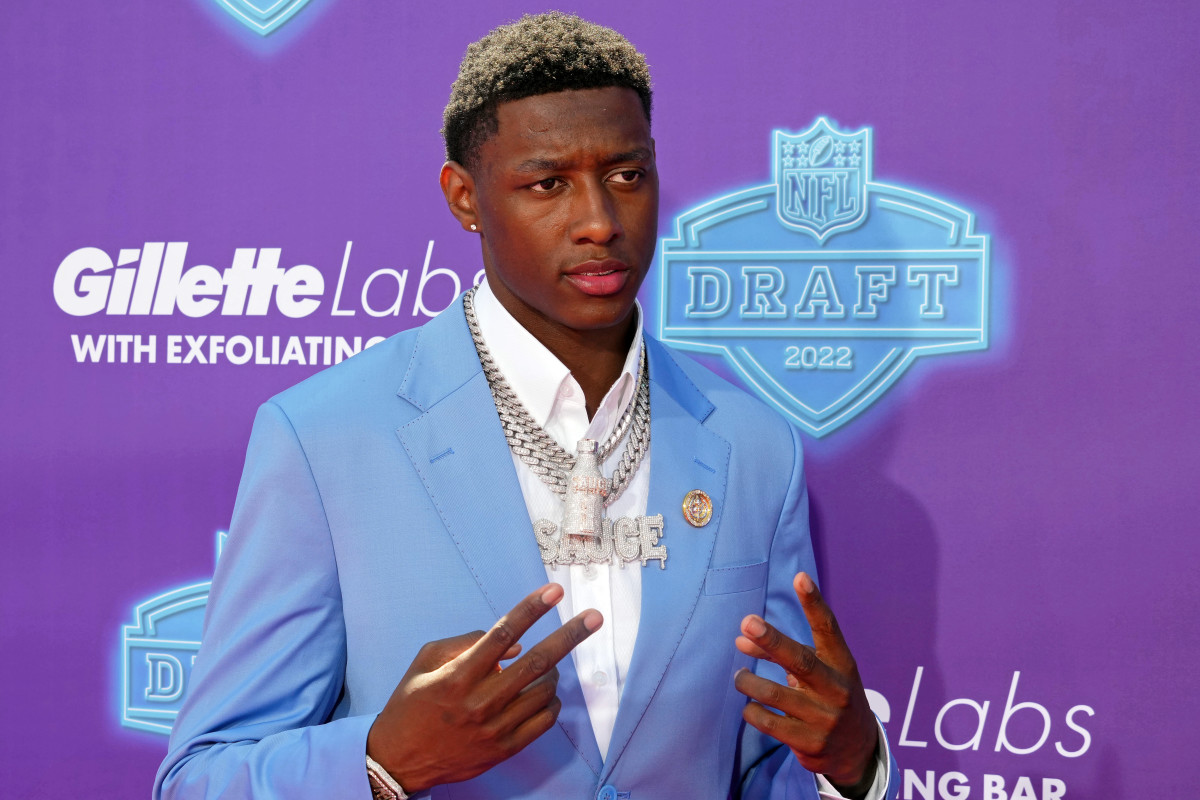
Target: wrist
x=382 y=768
x=859 y=788
x=383 y=785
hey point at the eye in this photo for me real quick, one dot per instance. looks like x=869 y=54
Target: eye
x=626 y=176
x=546 y=185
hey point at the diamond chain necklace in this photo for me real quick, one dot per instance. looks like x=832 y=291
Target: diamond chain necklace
x=538 y=449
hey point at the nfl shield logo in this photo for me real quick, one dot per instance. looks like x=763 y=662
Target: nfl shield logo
x=821 y=178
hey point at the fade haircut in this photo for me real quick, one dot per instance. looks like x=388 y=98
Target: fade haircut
x=537 y=54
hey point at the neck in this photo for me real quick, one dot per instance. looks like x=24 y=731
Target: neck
x=594 y=357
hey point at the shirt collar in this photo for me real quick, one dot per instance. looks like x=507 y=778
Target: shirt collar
x=535 y=374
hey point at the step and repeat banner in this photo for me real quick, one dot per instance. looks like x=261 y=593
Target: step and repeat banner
x=950 y=241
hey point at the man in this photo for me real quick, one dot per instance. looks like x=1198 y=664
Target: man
x=420 y=490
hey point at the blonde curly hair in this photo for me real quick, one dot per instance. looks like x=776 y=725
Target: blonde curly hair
x=537 y=54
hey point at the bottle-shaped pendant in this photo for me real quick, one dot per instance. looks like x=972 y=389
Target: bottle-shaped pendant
x=583 y=512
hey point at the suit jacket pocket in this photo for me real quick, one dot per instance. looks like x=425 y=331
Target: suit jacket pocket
x=726 y=580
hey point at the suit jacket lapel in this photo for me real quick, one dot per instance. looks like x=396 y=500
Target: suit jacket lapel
x=458 y=449
x=684 y=455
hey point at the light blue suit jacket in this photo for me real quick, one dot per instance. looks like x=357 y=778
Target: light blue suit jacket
x=379 y=510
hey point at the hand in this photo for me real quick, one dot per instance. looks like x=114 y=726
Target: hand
x=456 y=714
x=826 y=720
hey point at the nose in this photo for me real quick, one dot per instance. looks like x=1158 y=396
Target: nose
x=594 y=217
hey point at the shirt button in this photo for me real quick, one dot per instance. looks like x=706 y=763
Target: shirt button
x=607 y=793
x=599 y=677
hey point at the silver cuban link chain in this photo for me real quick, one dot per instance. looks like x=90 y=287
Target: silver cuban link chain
x=537 y=449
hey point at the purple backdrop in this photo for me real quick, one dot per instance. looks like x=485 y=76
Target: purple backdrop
x=1025 y=509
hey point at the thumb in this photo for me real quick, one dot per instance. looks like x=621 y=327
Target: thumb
x=436 y=654
x=440 y=652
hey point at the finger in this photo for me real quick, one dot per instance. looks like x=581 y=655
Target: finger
x=800 y=737
x=533 y=727
x=827 y=635
x=512 y=653
x=442 y=651
x=798 y=659
x=754 y=651
x=544 y=655
x=795 y=702
x=750 y=648
x=500 y=638
x=532 y=699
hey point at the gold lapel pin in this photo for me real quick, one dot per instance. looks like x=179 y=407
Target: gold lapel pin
x=697 y=508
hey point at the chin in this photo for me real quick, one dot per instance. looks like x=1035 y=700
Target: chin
x=616 y=311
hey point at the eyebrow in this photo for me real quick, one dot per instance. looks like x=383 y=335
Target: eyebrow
x=533 y=165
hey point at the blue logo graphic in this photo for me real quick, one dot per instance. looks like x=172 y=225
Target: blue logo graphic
x=157 y=653
x=262 y=16
x=822 y=288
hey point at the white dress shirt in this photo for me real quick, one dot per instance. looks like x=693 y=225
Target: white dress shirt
x=555 y=401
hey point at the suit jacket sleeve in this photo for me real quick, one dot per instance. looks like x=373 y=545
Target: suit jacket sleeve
x=260 y=719
x=777 y=774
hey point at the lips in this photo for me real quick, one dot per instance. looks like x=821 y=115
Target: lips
x=599 y=278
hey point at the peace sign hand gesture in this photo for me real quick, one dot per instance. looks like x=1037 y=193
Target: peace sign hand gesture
x=456 y=714
x=825 y=719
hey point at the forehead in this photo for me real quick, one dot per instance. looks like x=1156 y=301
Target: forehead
x=573 y=124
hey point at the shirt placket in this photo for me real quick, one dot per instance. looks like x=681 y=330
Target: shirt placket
x=591 y=585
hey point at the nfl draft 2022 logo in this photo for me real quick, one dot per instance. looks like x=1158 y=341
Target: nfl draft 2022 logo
x=823 y=287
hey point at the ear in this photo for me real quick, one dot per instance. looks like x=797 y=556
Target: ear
x=459 y=189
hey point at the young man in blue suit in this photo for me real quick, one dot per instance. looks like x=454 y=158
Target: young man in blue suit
x=426 y=488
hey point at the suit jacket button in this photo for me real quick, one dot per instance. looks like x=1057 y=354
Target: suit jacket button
x=607 y=793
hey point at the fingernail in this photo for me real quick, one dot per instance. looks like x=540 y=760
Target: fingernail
x=552 y=594
x=592 y=621
x=806 y=583
x=755 y=626
x=792 y=682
